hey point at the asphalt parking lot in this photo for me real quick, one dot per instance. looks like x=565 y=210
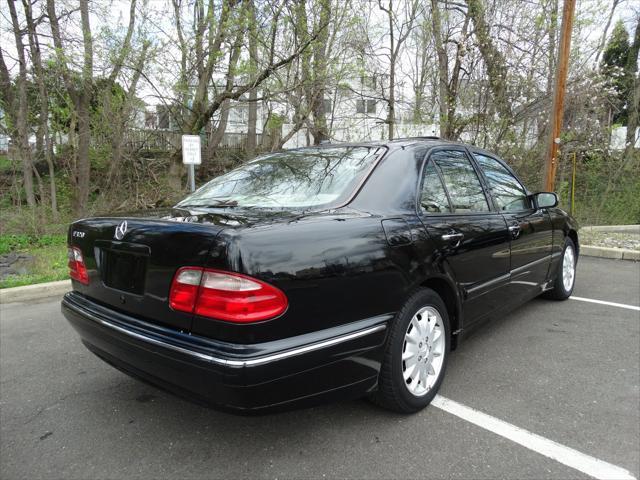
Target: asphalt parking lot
x=568 y=372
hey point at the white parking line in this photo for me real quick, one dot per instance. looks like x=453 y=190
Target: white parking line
x=565 y=455
x=602 y=302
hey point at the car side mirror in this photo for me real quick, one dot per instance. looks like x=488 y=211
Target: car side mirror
x=546 y=199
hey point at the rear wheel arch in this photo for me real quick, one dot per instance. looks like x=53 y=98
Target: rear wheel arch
x=447 y=293
x=573 y=235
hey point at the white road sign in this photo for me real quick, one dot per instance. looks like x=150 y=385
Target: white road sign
x=191 y=150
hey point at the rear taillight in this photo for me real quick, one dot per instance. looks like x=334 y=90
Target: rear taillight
x=228 y=296
x=77 y=268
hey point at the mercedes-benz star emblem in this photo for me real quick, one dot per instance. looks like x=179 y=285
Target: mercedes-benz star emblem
x=121 y=230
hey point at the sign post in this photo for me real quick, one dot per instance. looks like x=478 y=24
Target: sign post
x=191 y=156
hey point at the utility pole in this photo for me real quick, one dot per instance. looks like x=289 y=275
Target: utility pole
x=551 y=161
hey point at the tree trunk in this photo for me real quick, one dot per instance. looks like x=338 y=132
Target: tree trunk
x=603 y=39
x=21 y=111
x=253 y=93
x=320 y=132
x=176 y=172
x=36 y=58
x=391 y=100
x=417 y=106
x=83 y=172
x=634 y=107
x=422 y=65
x=300 y=121
x=83 y=168
x=452 y=86
x=553 y=38
x=252 y=123
x=304 y=104
x=443 y=68
x=217 y=134
x=632 y=123
x=120 y=124
x=493 y=59
x=395 y=45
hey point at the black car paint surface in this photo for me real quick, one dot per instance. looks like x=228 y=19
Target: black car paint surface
x=345 y=270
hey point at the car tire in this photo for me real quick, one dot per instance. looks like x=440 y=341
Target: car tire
x=416 y=354
x=566 y=274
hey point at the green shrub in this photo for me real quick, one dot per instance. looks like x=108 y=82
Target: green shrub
x=21 y=242
x=5 y=163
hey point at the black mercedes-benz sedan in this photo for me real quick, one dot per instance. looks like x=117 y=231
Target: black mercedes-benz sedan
x=327 y=272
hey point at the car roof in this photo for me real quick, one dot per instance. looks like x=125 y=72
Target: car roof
x=403 y=142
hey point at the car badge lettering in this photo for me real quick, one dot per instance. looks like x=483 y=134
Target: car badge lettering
x=120 y=230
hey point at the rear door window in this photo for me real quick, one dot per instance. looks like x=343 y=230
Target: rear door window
x=461 y=181
x=433 y=198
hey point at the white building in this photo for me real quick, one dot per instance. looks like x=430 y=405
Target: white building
x=355 y=111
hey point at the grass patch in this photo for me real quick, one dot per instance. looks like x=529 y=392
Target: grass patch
x=49 y=258
x=26 y=243
x=5 y=163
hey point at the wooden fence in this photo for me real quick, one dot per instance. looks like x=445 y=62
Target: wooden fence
x=169 y=141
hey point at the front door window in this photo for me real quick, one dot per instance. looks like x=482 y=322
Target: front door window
x=507 y=191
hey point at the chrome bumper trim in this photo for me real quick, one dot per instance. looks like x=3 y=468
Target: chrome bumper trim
x=224 y=361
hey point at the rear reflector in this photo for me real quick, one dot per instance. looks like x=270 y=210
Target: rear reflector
x=77 y=268
x=228 y=296
x=184 y=289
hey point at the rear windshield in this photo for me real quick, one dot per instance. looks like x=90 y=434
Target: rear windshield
x=297 y=179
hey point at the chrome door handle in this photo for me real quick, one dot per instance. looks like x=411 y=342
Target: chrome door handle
x=447 y=237
x=514 y=230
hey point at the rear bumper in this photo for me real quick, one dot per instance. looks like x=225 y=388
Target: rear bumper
x=335 y=363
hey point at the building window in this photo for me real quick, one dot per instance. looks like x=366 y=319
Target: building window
x=239 y=114
x=368 y=82
x=327 y=105
x=150 y=120
x=163 y=117
x=365 y=106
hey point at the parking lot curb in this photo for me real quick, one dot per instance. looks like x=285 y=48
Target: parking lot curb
x=607 y=252
x=34 y=292
x=613 y=228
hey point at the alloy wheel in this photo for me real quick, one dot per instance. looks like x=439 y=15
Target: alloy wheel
x=423 y=351
x=568 y=268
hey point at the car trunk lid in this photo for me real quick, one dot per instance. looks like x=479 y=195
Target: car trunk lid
x=131 y=261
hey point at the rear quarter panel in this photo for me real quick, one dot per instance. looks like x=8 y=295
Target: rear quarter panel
x=562 y=224
x=334 y=268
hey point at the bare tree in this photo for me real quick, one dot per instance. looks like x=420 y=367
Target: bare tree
x=216 y=40
x=603 y=38
x=17 y=107
x=81 y=93
x=319 y=75
x=448 y=85
x=39 y=74
x=493 y=59
x=252 y=117
x=80 y=96
x=400 y=26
